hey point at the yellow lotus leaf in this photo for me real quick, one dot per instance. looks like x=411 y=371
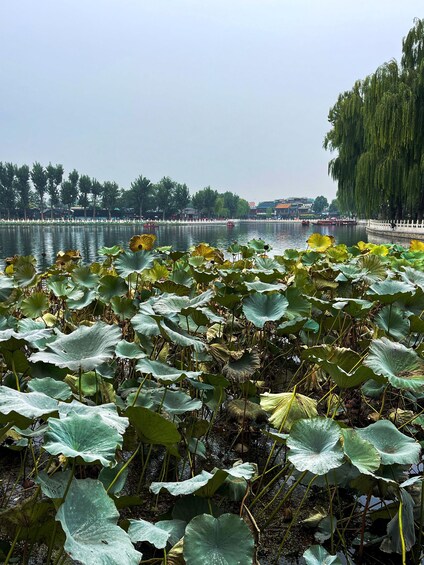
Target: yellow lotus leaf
x=416 y=245
x=339 y=253
x=63 y=257
x=143 y=242
x=380 y=250
x=362 y=246
x=207 y=252
x=319 y=242
x=287 y=407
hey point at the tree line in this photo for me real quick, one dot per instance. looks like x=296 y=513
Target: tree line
x=378 y=133
x=46 y=188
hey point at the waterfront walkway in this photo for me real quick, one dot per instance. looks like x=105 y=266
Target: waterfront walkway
x=405 y=229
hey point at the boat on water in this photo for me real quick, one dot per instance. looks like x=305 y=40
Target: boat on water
x=150 y=225
x=230 y=224
x=335 y=222
x=305 y=222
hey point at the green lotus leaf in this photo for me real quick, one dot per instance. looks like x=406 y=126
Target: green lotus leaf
x=189 y=486
x=6 y=287
x=393 y=321
x=394 y=541
x=83 y=276
x=22 y=408
x=390 y=290
x=299 y=306
x=169 y=304
x=343 y=365
x=267 y=265
x=53 y=486
x=113 y=251
x=257 y=245
x=151 y=427
x=226 y=540
x=205 y=484
x=163 y=372
x=84 y=349
x=242 y=369
x=315 y=445
x=355 y=307
x=110 y=286
x=373 y=389
x=360 y=452
x=292 y=326
x=86 y=299
x=172 y=401
x=114 y=478
x=175 y=334
x=51 y=387
x=35 y=305
x=392 y=445
x=24 y=273
x=89 y=519
x=261 y=308
x=141 y=530
x=82 y=435
x=127 y=350
x=259 y=286
x=145 y=322
x=107 y=412
x=62 y=289
x=178 y=402
x=124 y=308
x=288 y=407
x=129 y=263
x=397 y=363
x=368 y=268
x=317 y=555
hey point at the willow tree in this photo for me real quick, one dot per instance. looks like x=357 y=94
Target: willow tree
x=377 y=132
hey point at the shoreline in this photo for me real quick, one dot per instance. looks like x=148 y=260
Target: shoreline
x=157 y=223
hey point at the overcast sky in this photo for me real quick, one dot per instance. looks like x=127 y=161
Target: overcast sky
x=228 y=93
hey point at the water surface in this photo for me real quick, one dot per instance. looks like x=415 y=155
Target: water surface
x=45 y=241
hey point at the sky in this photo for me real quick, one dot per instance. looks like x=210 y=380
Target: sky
x=233 y=94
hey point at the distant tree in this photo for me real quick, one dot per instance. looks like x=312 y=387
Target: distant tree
x=22 y=188
x=110 y=196
x=220 y=210
x=269 y=212
x=96 y=191
x=140 y=193
x=39 y=180
x=85 y=189
x=69 y=189
x=243 y=208
x=230 y=202
x=164 y=194
x=204 y=201
x=54 y=179
x=320 y=203
x=181 y=198
x=7 y=187
x=334 y=207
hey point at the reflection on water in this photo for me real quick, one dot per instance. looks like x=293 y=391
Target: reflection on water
x=45 y=241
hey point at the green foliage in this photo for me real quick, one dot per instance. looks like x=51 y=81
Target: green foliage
x=315 y=356
x=376 y=131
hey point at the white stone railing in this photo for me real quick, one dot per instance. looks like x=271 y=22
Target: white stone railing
x=400 y=228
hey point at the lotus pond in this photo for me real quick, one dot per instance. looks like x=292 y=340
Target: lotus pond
x=173 y=407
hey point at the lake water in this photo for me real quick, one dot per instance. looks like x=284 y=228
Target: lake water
x=45 y=241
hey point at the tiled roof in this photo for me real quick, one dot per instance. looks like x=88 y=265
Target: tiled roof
x=285 y=206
